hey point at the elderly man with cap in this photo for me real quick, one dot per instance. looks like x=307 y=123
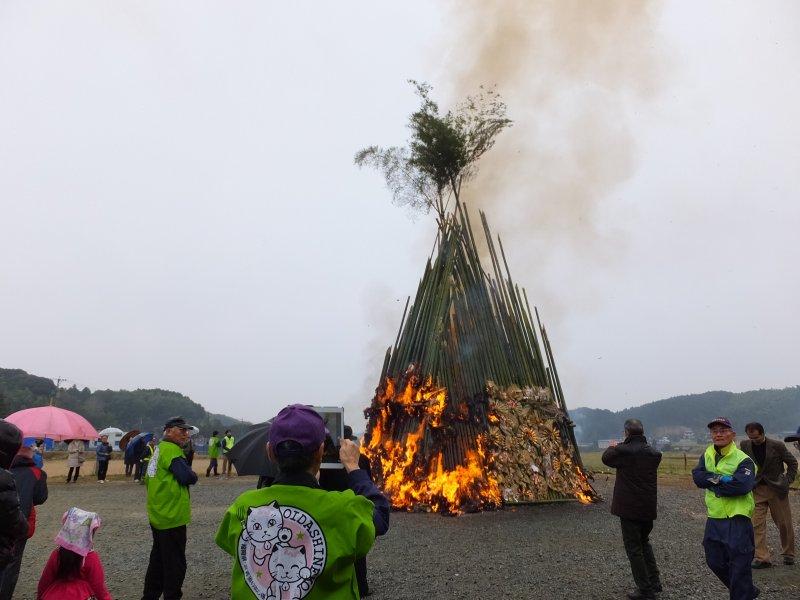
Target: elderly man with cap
x=294 y=539
x=168 y=478
x=13 y=523
x=728 y=476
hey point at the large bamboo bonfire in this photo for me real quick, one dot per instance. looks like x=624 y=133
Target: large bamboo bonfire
x=469 y=412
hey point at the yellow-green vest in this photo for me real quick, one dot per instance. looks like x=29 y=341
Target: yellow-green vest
x=725 y=507
x=213 y=447
x=167 y=500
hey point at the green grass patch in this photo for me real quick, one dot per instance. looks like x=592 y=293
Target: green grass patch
x=672 y=463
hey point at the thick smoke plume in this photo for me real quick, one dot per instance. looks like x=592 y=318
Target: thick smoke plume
x=572 y=73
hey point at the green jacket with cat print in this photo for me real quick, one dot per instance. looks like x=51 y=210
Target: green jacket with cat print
x=293 y=539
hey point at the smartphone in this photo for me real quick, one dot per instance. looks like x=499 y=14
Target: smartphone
x=334 y=421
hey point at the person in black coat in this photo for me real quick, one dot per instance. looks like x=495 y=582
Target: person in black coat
x=31 y=484
x=13 y=524
x=635 y=497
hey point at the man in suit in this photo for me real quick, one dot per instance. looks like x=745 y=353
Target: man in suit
x=776 y=470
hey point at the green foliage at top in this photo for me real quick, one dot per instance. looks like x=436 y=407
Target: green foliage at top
x=146 y=410
x=443 y=150
x=778 y=410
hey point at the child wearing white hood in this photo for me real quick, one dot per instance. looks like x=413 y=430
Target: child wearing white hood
x=74 y=570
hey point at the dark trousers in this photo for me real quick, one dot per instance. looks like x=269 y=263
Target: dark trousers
x=140 y=469
x=102 y=469
x=77 y=471
x=212 y=464
x=361 y=576
x=167 y=567
x=636 y=537
x=730 y=547
x=9 y=575
x=128 y=469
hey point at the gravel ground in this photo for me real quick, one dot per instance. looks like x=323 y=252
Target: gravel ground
x=549 y=551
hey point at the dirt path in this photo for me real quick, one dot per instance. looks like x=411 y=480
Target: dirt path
x=549 y=551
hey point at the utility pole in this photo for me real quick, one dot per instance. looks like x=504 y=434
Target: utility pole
x=58 y=387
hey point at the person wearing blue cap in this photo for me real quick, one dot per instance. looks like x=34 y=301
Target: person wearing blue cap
x=294 y=539
x=728 y=476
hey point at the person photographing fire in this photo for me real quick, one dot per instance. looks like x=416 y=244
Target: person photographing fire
x=294 y=539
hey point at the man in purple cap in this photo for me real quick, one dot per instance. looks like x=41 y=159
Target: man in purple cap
x=728 y=476
x=294 y=539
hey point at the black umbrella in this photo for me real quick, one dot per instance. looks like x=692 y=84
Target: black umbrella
x=249 y=454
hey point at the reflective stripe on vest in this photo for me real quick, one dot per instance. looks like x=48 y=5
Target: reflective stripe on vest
x=725 y=507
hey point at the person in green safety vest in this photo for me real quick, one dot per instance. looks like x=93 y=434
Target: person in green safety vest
x=168 y=508
x=213 y=453
x=294 y=539
x=227 y=443
x=728 y=476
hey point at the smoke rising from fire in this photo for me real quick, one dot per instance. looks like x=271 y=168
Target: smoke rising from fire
x=572 y=72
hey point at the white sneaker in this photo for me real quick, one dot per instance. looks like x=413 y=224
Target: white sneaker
x=100 y=481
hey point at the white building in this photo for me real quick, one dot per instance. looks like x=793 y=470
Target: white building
x=114 y=436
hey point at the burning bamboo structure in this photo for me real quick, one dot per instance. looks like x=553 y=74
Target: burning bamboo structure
x=469 y=412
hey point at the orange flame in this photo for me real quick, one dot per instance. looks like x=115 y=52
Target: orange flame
x=413 y=480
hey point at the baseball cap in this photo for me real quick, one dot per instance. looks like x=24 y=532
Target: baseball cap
x=724 y=421
x=177 y=422
x=298 y=423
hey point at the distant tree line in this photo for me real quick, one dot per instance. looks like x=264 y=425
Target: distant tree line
x=777 y=409
x=146 y=410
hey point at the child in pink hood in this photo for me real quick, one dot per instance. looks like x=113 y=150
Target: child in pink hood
x=74 y=570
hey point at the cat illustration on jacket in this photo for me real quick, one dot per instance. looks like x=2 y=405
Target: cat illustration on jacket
x=290 y=573
x=264 y=529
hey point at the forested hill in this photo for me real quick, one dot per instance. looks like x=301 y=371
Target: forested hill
x=147 y=410
x=777 y=410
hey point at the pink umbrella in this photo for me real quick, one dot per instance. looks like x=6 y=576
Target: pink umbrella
x=52 y=422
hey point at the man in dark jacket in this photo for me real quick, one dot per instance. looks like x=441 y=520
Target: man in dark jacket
x=31 y=484
x=103 y=453
x=771 y=492
x=635 y=495
x=13 y=524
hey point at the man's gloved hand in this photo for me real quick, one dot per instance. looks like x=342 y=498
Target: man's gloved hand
x=725 y=479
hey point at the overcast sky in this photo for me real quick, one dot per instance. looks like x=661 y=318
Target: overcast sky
x=179 y=206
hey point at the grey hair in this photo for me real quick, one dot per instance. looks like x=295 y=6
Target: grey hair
x=634 y=427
